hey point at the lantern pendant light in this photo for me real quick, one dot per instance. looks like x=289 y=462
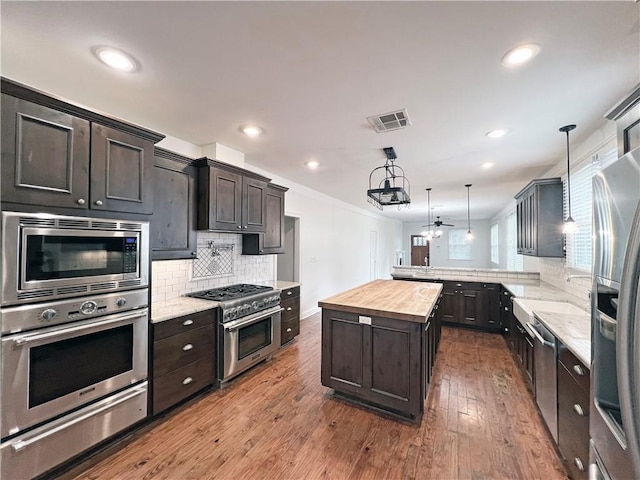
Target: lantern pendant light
x=570 y=225
x=469 y=234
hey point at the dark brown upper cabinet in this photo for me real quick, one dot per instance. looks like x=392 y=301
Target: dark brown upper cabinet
x=230 y=199
x=272 y=241
x=59 y=155
x=173 y=223
x=539 y=219
x=626 y=114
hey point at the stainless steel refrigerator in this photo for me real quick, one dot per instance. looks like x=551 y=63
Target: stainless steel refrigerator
x=614 y=424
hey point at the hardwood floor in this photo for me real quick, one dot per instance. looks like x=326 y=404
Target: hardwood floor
x=277 y=421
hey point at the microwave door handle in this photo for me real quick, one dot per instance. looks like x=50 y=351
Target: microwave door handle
x=627 y=338
x=97 y=325
x=22 y=444
x=230 y=327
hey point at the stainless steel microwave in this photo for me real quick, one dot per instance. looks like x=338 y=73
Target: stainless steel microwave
x=47 y=256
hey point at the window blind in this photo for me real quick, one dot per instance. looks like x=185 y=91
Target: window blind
x=459 y=245
x=495 y=247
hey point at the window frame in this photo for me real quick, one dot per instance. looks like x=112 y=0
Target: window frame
x=466 y=244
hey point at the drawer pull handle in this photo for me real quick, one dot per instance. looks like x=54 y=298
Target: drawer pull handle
x=506 y=309
x=578 y=409
x=288 y=309
x=187 y=381
x=578 y=369
x=186 y=323
x=187 y=347
x=289 y=292
x=288 y=330
x=458 y=284
x=578 y=463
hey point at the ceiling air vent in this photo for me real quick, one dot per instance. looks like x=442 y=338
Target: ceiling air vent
x=390 y=121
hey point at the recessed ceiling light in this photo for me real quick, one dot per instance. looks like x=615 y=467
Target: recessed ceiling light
x=251 y=130
x=487 y=165
x=116 y=59
x=313 y=164
x=519 y=55
x=500 y=132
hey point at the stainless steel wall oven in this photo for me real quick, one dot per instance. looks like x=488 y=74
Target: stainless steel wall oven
x=50 y=256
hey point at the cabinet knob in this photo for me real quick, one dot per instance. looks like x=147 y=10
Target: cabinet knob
x=81 y=201
x=288 y=309
x=458 y=284
x=260 y=251
x=98 y=202
x=187 y=381
x=578 y=463
x=245 y=227
x=288 y=330
x=193 y=254
x=289 y=292
x=578 y=409
x=240 y=226
x=578 y=369
x=187 y=347
x=186 y=323
x=506 y=309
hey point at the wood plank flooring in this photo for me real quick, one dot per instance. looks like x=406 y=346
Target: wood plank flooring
x=278 y=422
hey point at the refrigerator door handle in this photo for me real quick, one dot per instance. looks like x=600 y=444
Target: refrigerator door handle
x=628 y=340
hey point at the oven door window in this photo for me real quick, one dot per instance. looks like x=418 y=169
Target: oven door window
x=50 y=257
x=254 y=337
x=59 y=368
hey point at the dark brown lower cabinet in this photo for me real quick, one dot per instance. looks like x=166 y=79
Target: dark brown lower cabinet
x=184 y=358
x=573 y=413
x=378 y=362
x=290 y=319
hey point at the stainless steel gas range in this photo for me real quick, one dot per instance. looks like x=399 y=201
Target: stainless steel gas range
x=248 y=326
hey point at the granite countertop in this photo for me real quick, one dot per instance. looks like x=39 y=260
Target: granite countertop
x=280 y=284
x=452 y=277
x=535 y=291
x=411 y=301
x=177 y=307
x=574 y=331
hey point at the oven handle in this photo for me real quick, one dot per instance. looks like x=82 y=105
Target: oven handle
x=34 y=337
x=22 y=444
x=243 y=322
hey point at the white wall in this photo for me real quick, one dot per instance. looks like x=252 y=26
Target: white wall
x=439 y=251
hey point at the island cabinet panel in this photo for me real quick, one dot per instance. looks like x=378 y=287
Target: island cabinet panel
x=379 y=364
x=449 y=305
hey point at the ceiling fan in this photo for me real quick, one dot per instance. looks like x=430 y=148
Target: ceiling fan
x=438 y=223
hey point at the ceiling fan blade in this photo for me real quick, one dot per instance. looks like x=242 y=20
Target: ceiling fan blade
x=448 y=225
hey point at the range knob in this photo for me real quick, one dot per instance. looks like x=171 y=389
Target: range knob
x=49 y=314
x=121 y=302
x=88 y=307
x=255 y=305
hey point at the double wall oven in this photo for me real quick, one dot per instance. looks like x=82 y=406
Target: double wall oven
x=74 y=322
x=248 y=326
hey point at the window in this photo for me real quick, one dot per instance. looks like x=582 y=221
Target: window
x=495 y=251
x=578 y=245
x=419 y=241
x=459 y=245
x=514 y=261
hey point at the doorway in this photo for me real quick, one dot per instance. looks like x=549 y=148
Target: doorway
x=288 y=263
x=420 y=251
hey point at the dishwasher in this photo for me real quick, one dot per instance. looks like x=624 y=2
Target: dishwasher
x=546 y=368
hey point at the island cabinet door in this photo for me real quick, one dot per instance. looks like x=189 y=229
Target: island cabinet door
x=376 y=360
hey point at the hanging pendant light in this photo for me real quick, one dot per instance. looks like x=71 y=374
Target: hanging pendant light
x=570 y=225
x=428 y=233
x=393 y=188
x=469 y=234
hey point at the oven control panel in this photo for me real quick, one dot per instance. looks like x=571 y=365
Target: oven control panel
x=249 y=307
x=29 y=317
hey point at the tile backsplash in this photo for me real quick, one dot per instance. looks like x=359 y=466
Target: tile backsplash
x=173 y=278
x=554 y=272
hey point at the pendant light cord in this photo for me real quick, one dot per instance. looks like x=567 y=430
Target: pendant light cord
x=568 y=177
x=468 y=185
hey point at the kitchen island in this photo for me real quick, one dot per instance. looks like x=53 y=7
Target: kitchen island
x=379 y=342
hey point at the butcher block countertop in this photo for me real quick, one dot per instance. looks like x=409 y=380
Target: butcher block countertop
x=410 y=301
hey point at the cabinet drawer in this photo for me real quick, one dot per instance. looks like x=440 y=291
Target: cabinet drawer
x=173 y=387
x=575 y=367
x=173 y=352
x=289 y=329
x=289 y=293
x=573 y=423
x=183 y=324
x=291 y=308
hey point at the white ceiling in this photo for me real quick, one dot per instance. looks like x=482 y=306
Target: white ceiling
x=310 y=73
